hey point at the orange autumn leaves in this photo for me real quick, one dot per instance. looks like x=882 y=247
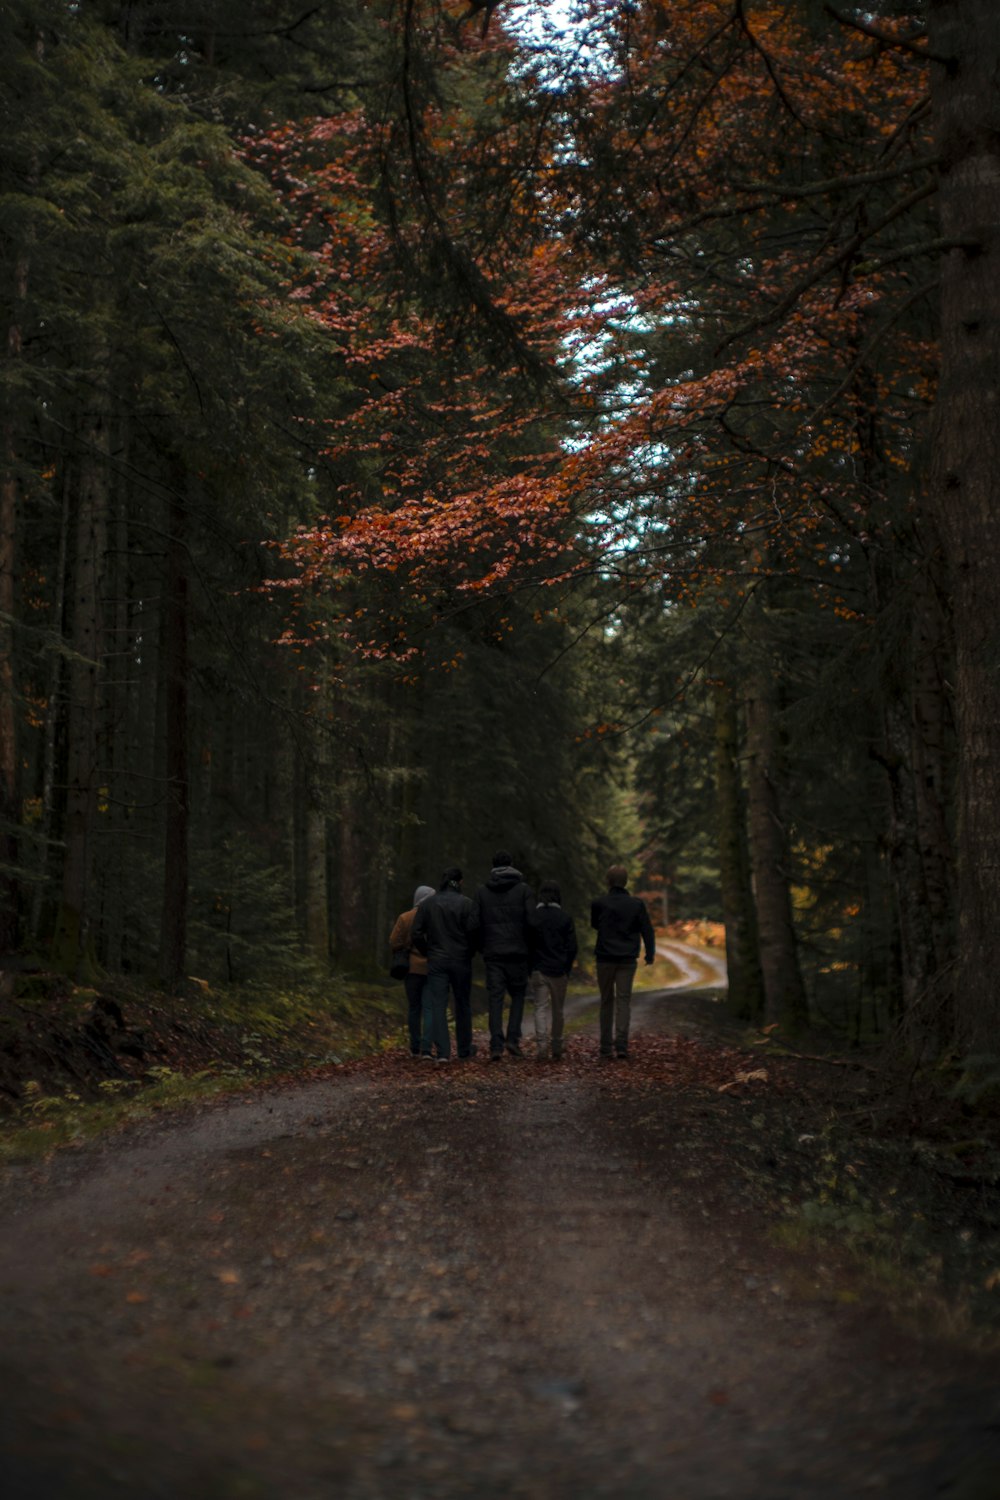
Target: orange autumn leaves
x=706 y=241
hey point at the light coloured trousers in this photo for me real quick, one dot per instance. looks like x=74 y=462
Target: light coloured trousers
x=548 y=994
x=615 y=984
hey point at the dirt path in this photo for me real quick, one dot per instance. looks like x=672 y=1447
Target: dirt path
x=423 y=1281
x=700 y=968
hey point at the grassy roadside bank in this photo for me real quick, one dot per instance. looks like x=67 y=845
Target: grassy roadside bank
x=77 y=1061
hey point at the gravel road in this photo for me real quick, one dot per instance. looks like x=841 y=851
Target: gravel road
x=422 y=1281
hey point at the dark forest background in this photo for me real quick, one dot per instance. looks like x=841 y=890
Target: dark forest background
x=264 y=264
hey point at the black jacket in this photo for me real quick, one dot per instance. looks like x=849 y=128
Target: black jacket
x=503 y=907
x=445 y=927
x=621 y=920
x=553 y=939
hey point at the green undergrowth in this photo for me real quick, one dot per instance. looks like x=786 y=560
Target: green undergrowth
x=919 y=1218
x=79 y=1061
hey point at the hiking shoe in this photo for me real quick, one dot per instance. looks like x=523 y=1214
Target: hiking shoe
x=496 y=1057
x=514 y=1049
x=442 y=1059
x=621 y=1056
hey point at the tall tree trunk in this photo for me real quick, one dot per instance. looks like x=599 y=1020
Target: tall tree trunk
x=932 y=769
x=9 y=755
x=53 y=705
x=174 y=665
x=966 y=476
x=10 y=792
x=117 y=870
x=349 y=913
x=316 y=896
x=784 y=992
x=73 y=948
x=746 y=988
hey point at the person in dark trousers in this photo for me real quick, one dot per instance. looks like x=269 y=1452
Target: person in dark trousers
x=503 y=907
x=445 y=929
x=621 y=921
x=414 y=981
x=553 y=954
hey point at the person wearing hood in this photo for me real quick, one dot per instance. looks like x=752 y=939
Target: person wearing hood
x=504 y=906
x=414 y=980
x=553 y=951
x=445 y=929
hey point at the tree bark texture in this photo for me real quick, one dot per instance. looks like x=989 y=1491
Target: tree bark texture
x=53 y=705
x=784 y=991
x=174 y=665
x=746 y=989
x=316 y=900
x=350 y=925
x=966 y=476
x=933 y=756
x=10 y=792
x=72 y=942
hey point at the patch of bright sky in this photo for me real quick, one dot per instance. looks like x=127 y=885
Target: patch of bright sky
x=562 y=41
x=559 y=36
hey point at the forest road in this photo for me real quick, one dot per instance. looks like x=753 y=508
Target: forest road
x=418 y=1281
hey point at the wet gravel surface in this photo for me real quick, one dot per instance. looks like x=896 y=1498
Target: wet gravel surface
x=420 y=1281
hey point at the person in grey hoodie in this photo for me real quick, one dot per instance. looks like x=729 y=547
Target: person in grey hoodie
x=413 y=983
x=503 y=908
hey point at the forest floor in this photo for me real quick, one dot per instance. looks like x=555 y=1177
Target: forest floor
x=705 y=1273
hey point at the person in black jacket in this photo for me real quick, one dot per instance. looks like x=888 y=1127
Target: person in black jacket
x=621 y=921
x=503 y=906
x=445 y=928
x=553 y=953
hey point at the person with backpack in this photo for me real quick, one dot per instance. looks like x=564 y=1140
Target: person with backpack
x=553 y=954
x=415 y=977
x=621 y=922
x=444 y=929
x=503 y=907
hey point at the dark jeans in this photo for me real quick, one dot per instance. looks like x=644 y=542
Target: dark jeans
x=508 y=975
x=615 y=984
x=442 y=974
x=418 y=1023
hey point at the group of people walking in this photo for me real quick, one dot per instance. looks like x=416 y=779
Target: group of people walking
x=529 y=947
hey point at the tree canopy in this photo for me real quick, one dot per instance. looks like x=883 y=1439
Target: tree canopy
x=429 y=427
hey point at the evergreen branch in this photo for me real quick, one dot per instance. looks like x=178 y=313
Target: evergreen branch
x=887 y=39
x=769 y=65
x=873 y=343
x=842 y=257
x=50 y=639
x=834 y=184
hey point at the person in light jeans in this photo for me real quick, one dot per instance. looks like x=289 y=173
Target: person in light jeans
x=552 y=938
